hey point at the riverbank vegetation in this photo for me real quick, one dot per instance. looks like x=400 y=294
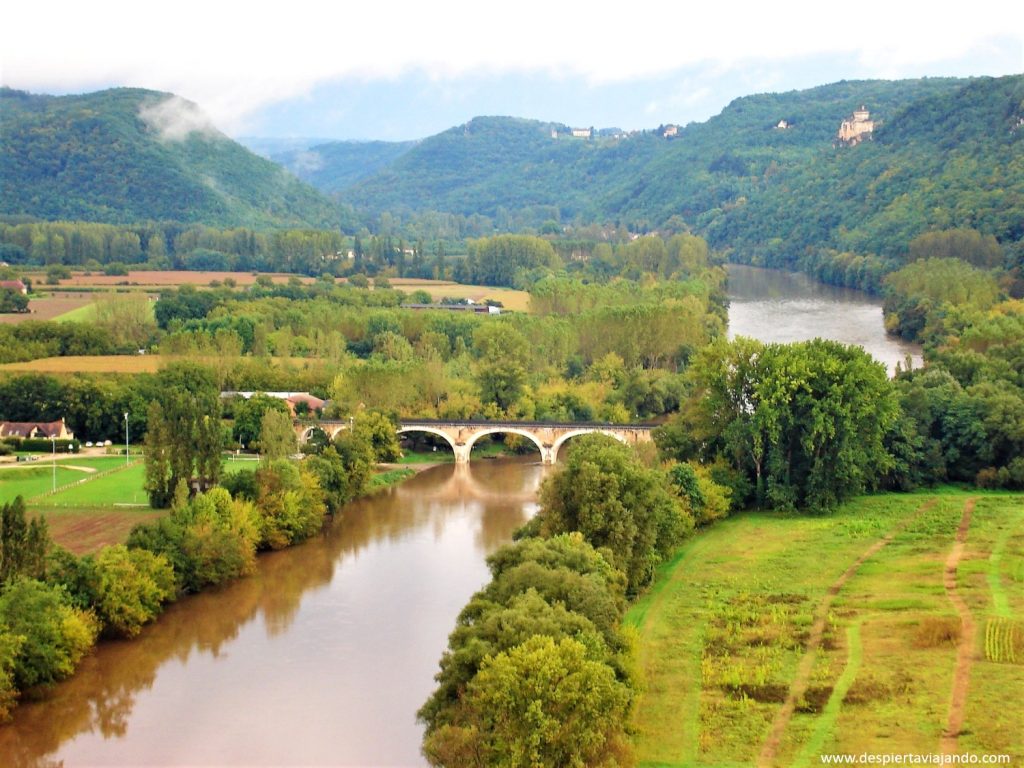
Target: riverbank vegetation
x=539 y=669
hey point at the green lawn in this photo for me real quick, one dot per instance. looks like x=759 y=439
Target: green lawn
x=124 y=486
x=727 y=625
x=34 y=480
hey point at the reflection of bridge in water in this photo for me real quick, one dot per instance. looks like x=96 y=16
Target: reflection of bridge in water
x=461 y=435
x=460 y=485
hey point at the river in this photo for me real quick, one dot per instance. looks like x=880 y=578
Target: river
x=321 y=658
x=325 y=654
x=772 y=305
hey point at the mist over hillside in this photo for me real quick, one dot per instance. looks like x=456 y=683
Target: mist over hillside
x=127 y=154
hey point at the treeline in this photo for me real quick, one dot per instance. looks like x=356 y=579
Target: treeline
x=867 y=271
x=519 y=261
x=538 y=668
x=811 y=424
x=172 y=245
x=968 y=402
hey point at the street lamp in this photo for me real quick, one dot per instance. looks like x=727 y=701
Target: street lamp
x=126 y=462
x=53 y=460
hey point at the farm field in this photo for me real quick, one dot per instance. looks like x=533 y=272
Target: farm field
x=50 y=307
x=90 y=364
x=892 y=626
x=518 y=301
x=127 y=363
x=165 y=279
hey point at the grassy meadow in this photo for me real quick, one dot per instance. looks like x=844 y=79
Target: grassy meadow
x=771 y=639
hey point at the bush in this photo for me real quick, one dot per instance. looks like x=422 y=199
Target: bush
x=131 y=587
x=42 y=445
x=55 y=635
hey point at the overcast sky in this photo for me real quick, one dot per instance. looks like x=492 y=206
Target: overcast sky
x=398 y=70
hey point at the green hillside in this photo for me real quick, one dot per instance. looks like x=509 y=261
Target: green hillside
x=335 y=165
x=127 y=155
x=946 y=160
x=945 y=153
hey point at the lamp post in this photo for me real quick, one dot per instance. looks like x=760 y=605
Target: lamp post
x=126 y=462
x=53 y=460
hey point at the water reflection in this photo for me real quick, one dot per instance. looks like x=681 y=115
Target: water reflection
x=772 y=305
x=321 y=658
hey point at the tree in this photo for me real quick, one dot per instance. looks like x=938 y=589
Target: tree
x=277 y=436
x=249 y=414
x=54 y=635
x=806 y=422
x=379 y=432
x=23 y=544
x=503 y=354
x=605 y=493
x=186 y=436
x=131 y=587
x=543 y=702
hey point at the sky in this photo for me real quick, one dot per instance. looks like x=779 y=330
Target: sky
x=405 y=70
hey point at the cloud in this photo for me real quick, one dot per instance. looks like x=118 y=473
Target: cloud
x=236 y=59
x=175 y=119
x=307 y=161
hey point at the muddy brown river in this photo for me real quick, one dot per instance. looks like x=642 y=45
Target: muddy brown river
x=321 y=658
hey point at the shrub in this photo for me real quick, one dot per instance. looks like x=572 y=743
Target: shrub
x=55 y=635
x=131 y=587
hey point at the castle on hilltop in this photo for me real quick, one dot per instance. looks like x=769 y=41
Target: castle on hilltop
x=856 y=128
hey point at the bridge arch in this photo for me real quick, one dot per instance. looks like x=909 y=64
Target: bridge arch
x=562 y=439
x=503 y=430
x=433 y=431
x=310 y=430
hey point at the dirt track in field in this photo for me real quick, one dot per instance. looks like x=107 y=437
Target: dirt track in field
x=965 y=648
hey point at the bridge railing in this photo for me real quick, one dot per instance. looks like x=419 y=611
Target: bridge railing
x=484 y=423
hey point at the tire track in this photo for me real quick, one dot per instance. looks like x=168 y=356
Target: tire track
x=965 y=648
x=803 y=672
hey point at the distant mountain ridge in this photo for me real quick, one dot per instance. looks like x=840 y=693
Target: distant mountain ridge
x=765 y=174
x=126 y=155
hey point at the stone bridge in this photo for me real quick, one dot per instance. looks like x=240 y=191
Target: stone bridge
x=461 y=435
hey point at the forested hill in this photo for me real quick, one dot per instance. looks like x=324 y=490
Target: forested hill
x=128 y=155
x=946 y=153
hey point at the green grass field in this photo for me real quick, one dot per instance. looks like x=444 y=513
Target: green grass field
x=773 y=639
x=84 y=314
x=124 y=486
x=35 y=478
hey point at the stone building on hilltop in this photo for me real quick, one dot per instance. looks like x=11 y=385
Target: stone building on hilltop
x=856 y=128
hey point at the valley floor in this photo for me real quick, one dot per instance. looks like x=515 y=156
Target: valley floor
x=892 y=626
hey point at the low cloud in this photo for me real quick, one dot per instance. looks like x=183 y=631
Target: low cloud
x=307 y=162
x=240 y=60
x=175 y=119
